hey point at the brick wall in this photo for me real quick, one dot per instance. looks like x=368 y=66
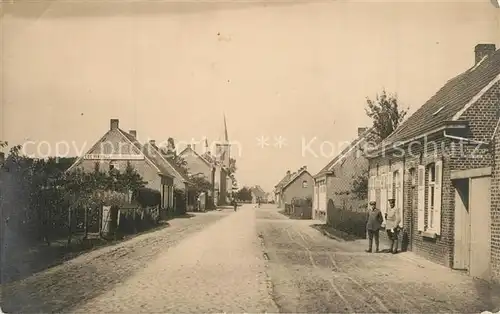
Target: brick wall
x=438 y=250
x=482 y=118
x=495 y=213
x=296 y=190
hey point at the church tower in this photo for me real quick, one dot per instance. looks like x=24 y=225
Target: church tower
x=223 y=157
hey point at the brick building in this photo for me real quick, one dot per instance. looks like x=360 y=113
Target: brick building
x=116 y=148
x=438 y=165
x=333 y=183
x=495 y=209
x=299 y=185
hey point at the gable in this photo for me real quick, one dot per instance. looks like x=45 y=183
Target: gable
x=298 y=178
x=449 y=102
x=111 y=146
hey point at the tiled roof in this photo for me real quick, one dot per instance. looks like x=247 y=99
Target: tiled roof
x=166 y=162
x=449 y=100
x=345 y=152
x=283 y=181
x=149 y=153
x=257 y=190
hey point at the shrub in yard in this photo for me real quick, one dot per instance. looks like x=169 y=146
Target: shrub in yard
x=146 y=197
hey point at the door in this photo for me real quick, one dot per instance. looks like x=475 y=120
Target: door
x=461 y=250
x=480 y=228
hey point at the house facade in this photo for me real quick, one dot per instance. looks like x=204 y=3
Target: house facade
x=299 y=186
x=333 y=184
x=116 y=148
x=277 y=188
x=197 y=164
x=258 y=194
x=440 y=167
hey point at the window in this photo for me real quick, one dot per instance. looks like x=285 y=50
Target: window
x=431 y=193
x=113 y=164
x=304 y=184
x=429 y=198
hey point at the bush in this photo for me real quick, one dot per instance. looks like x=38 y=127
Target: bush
x=146 y=197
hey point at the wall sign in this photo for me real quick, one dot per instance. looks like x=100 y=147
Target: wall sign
x=112 y=157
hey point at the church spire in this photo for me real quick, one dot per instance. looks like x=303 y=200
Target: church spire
x=226 y=138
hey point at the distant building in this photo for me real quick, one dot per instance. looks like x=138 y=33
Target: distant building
x=334 y=183
x=258 y=194
x=299 y=186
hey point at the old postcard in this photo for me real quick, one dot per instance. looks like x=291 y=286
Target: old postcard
x=250 y=156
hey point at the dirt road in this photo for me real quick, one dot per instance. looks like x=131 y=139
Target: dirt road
x=313 y=273
x=220 y=269
x=63 y=287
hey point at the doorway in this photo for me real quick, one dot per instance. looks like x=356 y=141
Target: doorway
x=472 y=226
x=461 y=258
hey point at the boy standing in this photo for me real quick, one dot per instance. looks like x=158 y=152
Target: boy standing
x=373 y=224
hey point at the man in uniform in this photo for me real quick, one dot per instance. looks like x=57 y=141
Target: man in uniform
x=373 y=224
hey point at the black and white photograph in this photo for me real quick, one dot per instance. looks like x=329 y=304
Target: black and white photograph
x=250 y=156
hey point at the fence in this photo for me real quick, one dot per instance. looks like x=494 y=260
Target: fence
x=346 y=220
x=299 y=209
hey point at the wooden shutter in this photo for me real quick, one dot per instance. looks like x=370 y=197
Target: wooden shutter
x=421 y=198
x=383 y=193
x=438 y=195
x=401 y=194
x=390 y=181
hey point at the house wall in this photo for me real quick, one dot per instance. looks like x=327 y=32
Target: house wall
x=495 y=213
x=455 y=156
x=339 y=187
x=296 y=190
x=438 y=250
x=197 y=165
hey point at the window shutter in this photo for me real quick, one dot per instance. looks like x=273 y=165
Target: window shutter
x=390 y=177
x=438 y=195
x=400 y=192
x=383 y=193
x=421 y=198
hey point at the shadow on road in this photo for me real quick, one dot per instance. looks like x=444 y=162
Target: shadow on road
x=335 y=234
x=24 y=261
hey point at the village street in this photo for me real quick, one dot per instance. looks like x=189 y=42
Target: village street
x=254 y=260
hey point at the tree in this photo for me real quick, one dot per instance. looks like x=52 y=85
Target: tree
x=359 y=185
x=385 y=113
x=244 y=194
x=232 y=166
x=170 y=152
x=3 y=144
x=200 y=184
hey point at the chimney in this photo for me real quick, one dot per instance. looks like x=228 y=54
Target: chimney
x=188 y=145
x=152 y=142
x=133 y=133
x=194 y=147
x=288 y=173
x=113 y=124
x=304 y=167
x=483 y=50
x=361 y=131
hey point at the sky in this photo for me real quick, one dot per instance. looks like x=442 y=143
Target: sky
x=293 y=74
